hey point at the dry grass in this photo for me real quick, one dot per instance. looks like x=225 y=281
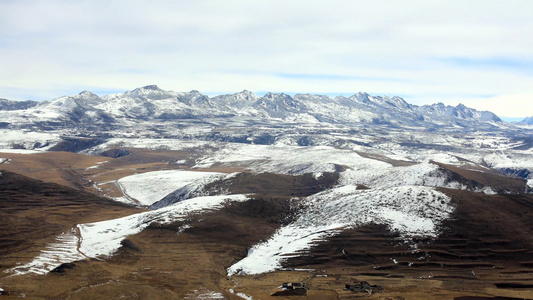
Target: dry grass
x=476 y=177
x=56 y=167
x=489 y=240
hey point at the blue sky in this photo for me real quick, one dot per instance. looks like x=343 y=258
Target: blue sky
x=479 y=53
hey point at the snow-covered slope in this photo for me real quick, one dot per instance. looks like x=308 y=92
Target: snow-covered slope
x=384 y=170
x=148 y=188
x=407 y=210
x=101 y=239
x=24 y=139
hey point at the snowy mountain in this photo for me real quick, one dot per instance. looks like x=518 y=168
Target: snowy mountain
x=152 y=103
x=16 y=105
x=527 y=121
x=459 y=112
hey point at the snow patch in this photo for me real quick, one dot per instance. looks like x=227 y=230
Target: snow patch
x=242 y=295
x=102 y=239
x=125 y=200
x=98 y=165
x=408 y=211
x=149 y=143
x=63 y=249
x=204 y=294
x=509 y=159
x=26 y=139
x=422 y=174
x=488 y=191
x=20 y=151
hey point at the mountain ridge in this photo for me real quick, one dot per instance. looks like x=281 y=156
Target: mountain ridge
x=150 y=102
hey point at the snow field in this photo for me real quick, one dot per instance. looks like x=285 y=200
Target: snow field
x=288 y=159
x=149 y=143
x=510 y=159
x=422 y=174
x=285 y=157
x=318 y=159
x=29 y=140
x=148 y=188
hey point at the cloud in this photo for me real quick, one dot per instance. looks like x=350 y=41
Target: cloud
x=493 y=63
x=507 y=106
x=431 y=50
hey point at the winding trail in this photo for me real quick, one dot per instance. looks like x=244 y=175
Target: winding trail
x=123 y=191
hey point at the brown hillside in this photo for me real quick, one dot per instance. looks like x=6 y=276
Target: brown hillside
x=34 y=212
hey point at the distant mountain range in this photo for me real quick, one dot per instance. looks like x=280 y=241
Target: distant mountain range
x=17 y=105
x=526 y=121
x=152 y=103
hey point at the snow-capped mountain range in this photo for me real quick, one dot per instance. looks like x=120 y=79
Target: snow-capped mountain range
x=152 y=103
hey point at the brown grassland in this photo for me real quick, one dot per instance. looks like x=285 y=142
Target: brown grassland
x=485 y=250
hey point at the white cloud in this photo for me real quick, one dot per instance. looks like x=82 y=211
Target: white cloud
x=511 y=106
x=429 y=50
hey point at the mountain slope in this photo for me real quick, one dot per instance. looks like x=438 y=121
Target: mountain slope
x=34 y=212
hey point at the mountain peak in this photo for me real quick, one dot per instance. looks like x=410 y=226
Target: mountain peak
x=147 y=89
x=246 y=92
x=152 y=87
x=271 y=95
x=246 y=95
x=527 y=121
x=361 y=97
x=87 y=94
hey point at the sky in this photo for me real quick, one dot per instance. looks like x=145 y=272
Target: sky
x=479 y=53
